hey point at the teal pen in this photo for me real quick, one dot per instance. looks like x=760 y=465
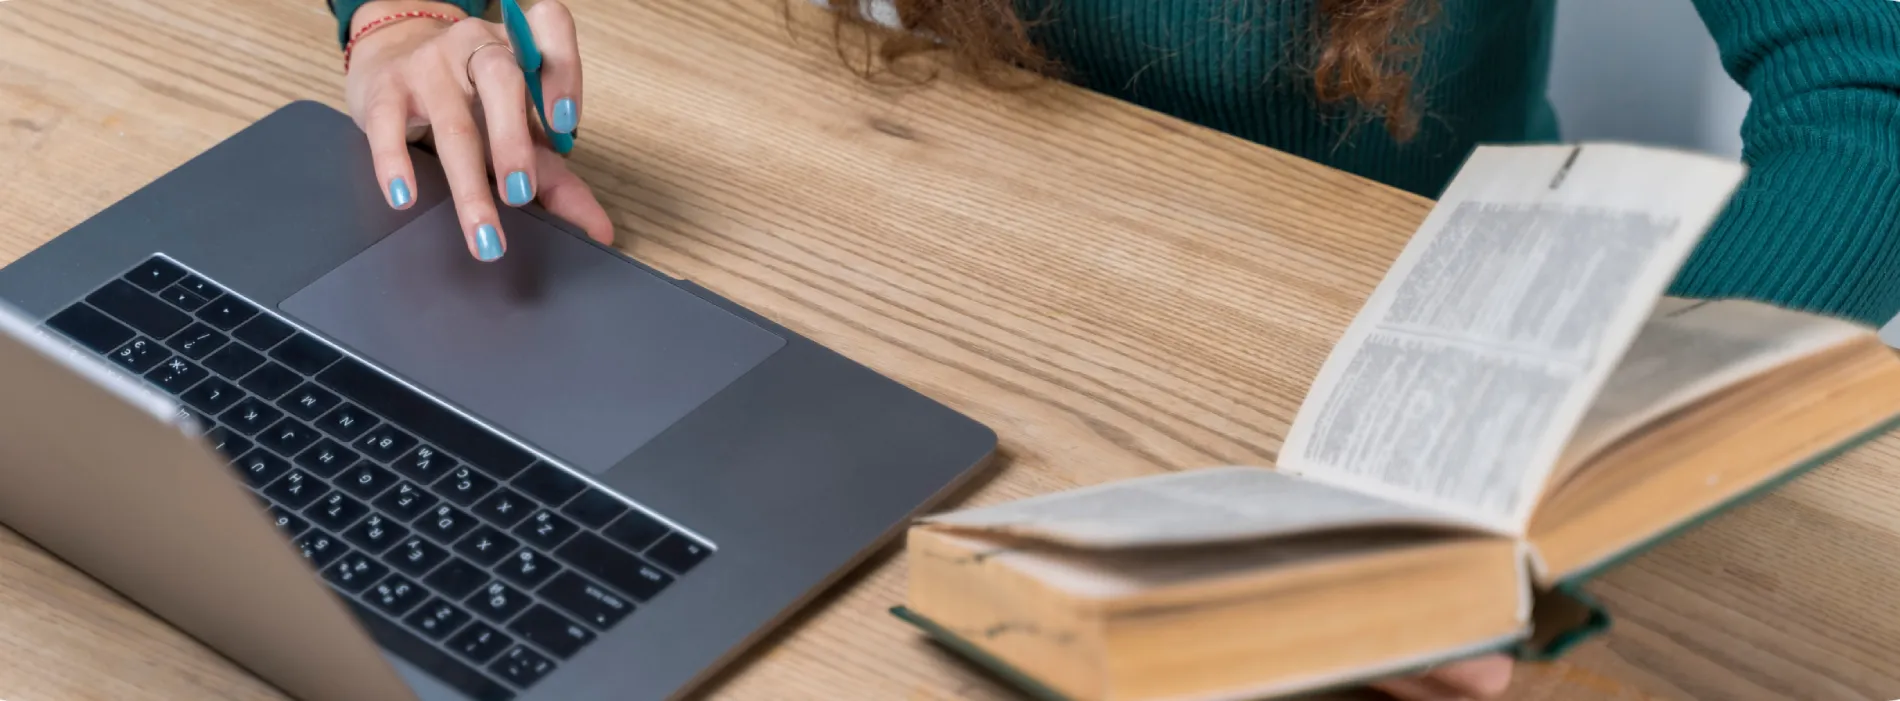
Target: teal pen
x=526 y=54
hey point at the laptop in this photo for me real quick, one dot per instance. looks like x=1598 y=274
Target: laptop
x=317 y=435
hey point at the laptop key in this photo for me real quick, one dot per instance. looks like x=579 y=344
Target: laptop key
x=155 y=273
x=551 y=631
x=480 y=642
x=592 y=603
x=91 y=328
x=199 y=286
x=196 y=341
x=464 y=486
x=677 y=552
x=288 y=521
x=504 y=507
x=326 y=458
x=139 y=355
x=385 y=443
x=635 y=531
x=189 y=416
x=346 y=422
x=336 y=511
x=227 y=443
x=213 y=395
x=498 y=602
x=226 y=312
x=552 y=485
x=527 y=568
x=355 y=572
x=233 y=360
x=430 y=420
x=287 y=437
x=183 y=298
x=305 y=354
x=406 y=501
x=436 y=619
x=445 y=524
x=546 y=530
x=617 y=568
x=486 y=546
x=366 y=480
x=138 y=309
x=296 y=489
x=321 y=548
x=594 y=508
x=375 y=534
x=308 y=402
x=521 y=666
x=270 y=381
x=176 y=375
x=249 y=416
x=424 y=464
x=260 y=467
x=395 y=595
x=428 y=658
x=262 y=331
x=416 y=556
x=456 y=578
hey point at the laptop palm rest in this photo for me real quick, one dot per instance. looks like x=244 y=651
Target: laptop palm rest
x=570 y=347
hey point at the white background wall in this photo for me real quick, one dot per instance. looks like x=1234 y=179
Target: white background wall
x=1643 y=71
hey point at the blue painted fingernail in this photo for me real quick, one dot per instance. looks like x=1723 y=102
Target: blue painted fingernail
x=564 y=118
x=487 y=242
x=518 y=191
x=398 y=193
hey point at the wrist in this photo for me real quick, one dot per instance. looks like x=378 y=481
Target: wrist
x=376 y=9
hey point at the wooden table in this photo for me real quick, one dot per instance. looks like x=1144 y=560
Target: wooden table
x=1115 y=292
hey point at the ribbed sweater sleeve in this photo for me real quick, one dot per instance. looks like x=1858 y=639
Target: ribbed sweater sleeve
x=1816 y=224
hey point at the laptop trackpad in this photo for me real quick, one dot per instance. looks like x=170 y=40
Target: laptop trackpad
x=573 y=349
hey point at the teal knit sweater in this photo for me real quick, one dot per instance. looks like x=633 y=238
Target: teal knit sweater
x=1815 y=226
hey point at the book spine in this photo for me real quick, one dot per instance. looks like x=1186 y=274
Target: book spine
x=1564 y=617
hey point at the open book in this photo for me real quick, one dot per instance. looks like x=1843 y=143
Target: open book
x=1516 y=407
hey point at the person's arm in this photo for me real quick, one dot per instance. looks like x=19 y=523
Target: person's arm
x=345 y=10
x=1816 y=225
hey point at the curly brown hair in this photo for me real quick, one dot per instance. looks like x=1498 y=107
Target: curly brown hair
x=1363 y=50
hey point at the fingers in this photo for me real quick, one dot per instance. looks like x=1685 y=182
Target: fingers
x=1418 y=689
x=1471 y=680
x=566 y=196
x=553 y=28
x=1482 y=678
x=458 y=144
x=504 y=99
x=386 y=123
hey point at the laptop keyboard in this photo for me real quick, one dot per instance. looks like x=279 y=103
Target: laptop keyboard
x=459 y=551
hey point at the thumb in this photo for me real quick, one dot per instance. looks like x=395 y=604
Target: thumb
x=565 y=195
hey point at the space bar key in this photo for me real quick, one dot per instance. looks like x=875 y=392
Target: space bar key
x=435 y=662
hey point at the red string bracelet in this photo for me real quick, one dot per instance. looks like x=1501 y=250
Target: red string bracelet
x=381 y=22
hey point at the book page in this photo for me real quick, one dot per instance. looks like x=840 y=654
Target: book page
x=1688 y=350
x=1458 y=384
x=1212 y=505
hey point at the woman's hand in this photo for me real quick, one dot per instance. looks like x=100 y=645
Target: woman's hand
x=424 y=72
x=1477 y=679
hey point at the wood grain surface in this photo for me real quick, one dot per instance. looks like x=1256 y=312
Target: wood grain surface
x=1115 y=292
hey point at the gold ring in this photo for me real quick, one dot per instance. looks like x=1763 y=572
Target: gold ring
x=468 y=64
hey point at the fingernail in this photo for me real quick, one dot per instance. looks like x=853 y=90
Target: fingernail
x=398 y=193
x=564 y=117
x=517 y=188
x=487 y=242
